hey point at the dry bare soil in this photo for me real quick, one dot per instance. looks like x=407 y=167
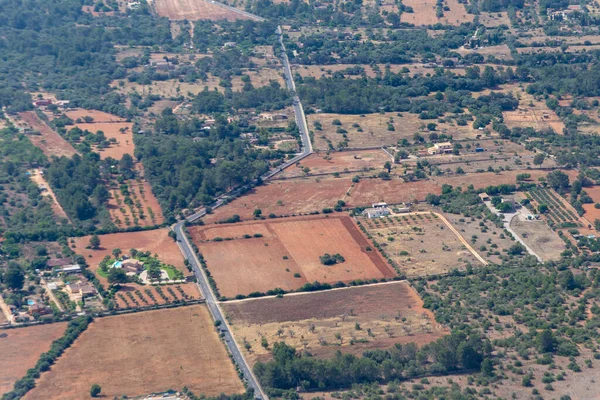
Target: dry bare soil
x=193 y=10
x=542 y=240
x=286 y=254
x=485 y=179
x=136 y=354
x=592 y=213
x=421 y=244
x=22 y=348
x=324 y=162
x=325 y=322
x=50 y=142
x=425 y=13
x=305 y=195
x=375 y=131
x=285 y=197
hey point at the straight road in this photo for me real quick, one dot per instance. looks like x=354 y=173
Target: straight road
x=186 y=247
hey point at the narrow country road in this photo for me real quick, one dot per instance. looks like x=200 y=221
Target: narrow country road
x=186 y=247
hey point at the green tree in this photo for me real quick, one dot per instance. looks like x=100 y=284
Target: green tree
x=116 y=253
x=388 y=166
x=487 y=367
x=117 y=275
x=95 y=390
x=95 y=242
x=544 y=341
x=558 y=181
x=14 y=277
x=539 y=158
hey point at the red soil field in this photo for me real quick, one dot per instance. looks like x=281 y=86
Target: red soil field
x=379 y=307
x=156 y=241
x=292 y=248
x=194 y=10
x=50 y=142
x=394 y=191
x=137 y=354
x=297 y=196
x=343 y=161
x=592 y=213
x=22 y=348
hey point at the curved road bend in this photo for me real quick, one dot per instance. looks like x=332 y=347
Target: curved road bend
x=186 y=247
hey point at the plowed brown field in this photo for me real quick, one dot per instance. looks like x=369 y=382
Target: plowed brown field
x=393 y=313
x=288 y=256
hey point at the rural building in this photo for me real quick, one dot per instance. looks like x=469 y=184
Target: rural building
x=131 y=266
x=70 y=269
x=379 y=205
x=376 y=212
x=163 y=65
x=273 y=117
x=59 y=262
x=440 y=148
x=42 y=102
x=402 y=208
x=484 y=197
x=38 y=308
x=63 y=103
x=81 y=289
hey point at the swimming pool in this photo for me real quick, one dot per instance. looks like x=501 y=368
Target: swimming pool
x=30 y=302
x=117 y=264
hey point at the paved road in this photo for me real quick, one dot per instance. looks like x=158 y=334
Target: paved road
x=236 y=10
x=216 y=310
x=186 y=247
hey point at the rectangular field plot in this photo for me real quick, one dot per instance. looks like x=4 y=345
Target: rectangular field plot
x=137 y=354
x=285 y=197
x=340 y=161
x=258 y=256
x=350 y=319
x=373 y=130
x=420 y=244
x=21 y=349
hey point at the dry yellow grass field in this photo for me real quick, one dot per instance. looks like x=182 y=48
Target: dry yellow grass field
x=137 y=354
x=375 y=129
x=425 y=13
x=173 y=87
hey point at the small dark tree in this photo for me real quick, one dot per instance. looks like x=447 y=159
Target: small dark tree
x=95 y=390
x=95 y=242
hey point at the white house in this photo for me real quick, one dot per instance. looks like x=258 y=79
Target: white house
x=376 y=212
